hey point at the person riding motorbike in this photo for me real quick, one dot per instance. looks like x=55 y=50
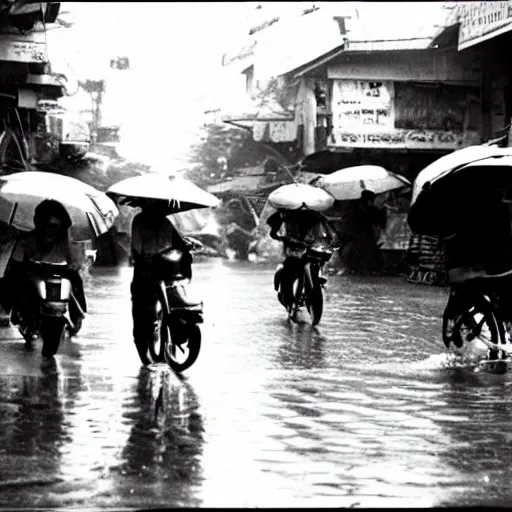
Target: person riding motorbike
x=48 y=242
x=302 y=227
x=480 y=244
x=152 y=233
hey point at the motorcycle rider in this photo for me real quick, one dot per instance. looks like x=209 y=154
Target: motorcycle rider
x=302 y=227
x=480 y=243
x=152 y=233
x=47 y=242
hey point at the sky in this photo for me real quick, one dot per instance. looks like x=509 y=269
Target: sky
x=175 y=52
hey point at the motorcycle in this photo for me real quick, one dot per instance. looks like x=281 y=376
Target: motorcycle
x=176 y=339
x=481 y=314
x=49 y=317
x=306 y=285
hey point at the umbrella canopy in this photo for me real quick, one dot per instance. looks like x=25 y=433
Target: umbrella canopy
x=91 y=211
x=462 y=190
x=347 y=184
x=298 y=195
x=446 y=164
x=181 y=194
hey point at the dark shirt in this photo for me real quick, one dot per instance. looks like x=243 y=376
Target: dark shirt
x=305 y=226
x=483 y=237
x=363 y=219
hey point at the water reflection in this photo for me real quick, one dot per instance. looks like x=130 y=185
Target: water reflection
x=302 y=347
x=165 y=442
x=477 y=422
x=33 y=428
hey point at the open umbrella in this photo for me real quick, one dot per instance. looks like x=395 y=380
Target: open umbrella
x=180 y=194
x=455 y=192
x=91 y=211
x=347 y=184
x=297 y=195
x=447 y=163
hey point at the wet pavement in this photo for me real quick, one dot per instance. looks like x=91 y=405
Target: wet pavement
x=366 y=411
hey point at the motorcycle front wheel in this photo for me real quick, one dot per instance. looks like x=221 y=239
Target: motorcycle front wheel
x=51 y=330
x=315 y=303
x=180 y=354
x=159 y=338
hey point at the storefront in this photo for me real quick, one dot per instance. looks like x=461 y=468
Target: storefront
x=396 y=115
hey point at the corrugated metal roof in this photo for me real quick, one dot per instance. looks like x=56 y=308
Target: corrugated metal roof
x=389 y=44
x=370 y=26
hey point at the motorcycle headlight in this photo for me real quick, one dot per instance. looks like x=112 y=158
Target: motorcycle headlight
x=174 y=256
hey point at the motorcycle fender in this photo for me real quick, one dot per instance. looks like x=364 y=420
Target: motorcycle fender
x=54 y=308
x=185 y=316
x=164 y=301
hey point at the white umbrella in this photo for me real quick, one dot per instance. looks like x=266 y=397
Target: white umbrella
x=446 y=164
x=347 y=184
x=92 y=212
x=297 y=195
x=181 y=194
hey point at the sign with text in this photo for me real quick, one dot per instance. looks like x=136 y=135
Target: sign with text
x=396 y=139
x=480 y=21
x=360 y=104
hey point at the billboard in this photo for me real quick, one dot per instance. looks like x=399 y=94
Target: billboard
x=481 y=21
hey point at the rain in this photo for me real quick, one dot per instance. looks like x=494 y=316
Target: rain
x=255 y=254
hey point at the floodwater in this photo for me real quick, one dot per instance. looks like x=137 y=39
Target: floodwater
x=368 y=410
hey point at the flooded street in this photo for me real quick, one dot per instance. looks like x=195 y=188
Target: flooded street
x=363 y=411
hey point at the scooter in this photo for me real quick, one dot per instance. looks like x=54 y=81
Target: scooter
x=50 y=316
x=176 y=339
x=306 y=287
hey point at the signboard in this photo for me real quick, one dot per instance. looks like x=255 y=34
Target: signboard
x=362 y=105
x=365 y=113
x=480 y=21
x=28 y=48
x=396 y=139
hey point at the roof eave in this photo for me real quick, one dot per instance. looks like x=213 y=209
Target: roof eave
x=345 y=50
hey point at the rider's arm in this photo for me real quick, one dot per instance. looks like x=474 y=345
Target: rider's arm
x=76 y=257
x=136 y=242
x=275 y=221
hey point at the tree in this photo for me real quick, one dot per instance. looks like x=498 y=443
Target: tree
x=222 y=151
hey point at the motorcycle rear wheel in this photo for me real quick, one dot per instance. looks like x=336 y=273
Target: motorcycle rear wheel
x=187 y=350
x=51 y=330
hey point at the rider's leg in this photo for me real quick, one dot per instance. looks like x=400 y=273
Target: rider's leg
x=277 y=276
x=144 y=317
x=287 y=274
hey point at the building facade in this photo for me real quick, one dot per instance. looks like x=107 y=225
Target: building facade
x=26 y=79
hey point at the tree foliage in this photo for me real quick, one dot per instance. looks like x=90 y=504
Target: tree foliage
x=223 y=151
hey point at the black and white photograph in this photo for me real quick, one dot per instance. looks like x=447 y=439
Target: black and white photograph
x=255 y=255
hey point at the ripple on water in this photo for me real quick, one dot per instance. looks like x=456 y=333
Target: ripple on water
x=364 y=411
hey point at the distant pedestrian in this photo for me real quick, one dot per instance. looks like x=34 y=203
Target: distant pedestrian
x=365 y=223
